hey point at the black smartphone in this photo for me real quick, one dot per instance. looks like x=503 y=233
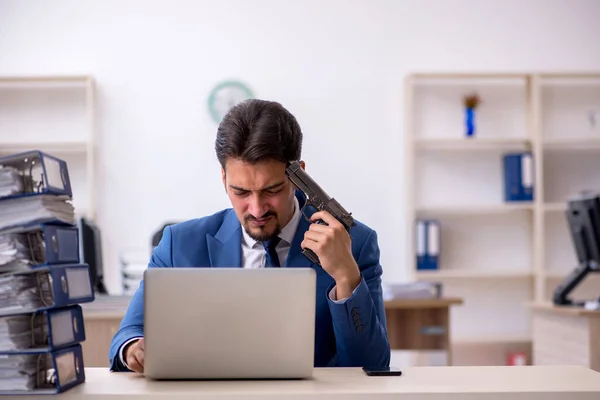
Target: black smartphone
x=382 y=371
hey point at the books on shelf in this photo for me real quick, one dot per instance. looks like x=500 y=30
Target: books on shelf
x=42 y=279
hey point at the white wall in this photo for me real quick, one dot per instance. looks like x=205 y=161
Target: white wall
x=337 y=65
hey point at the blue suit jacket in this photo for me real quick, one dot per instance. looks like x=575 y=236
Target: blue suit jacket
x=351 y=334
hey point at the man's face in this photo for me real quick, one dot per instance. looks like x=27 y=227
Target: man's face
x=261 y=195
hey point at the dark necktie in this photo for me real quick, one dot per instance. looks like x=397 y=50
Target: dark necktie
x=272 y=260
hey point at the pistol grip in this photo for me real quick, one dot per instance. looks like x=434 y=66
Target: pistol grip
x=311 y=256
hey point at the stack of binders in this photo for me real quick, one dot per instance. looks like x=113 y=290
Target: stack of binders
x=42 y=281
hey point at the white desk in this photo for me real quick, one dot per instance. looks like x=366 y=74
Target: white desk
x=423 y=383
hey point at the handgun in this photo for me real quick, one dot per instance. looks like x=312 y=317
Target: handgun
x=317 y=198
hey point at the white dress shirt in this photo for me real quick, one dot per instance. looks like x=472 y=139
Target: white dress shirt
x=253 y=252
x=254 y=256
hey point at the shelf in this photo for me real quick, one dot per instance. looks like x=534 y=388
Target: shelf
x=583 y=143
x=488 y=339
x=476 y=143
x=550 y=274
x=66 y=81
x=49 y=147
x=459 y=79
x=489 y=247
x=555 y=207
x=556 y=275
x=472 y=274
x=559 y=275
x=478 y=209
x=570 y=81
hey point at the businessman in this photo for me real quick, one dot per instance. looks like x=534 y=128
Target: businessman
x=266 y=229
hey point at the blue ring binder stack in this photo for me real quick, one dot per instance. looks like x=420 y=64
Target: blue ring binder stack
x=42 y=279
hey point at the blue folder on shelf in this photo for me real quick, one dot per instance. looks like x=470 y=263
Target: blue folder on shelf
x=38 y=245
x=33 y=172
x=42 y=373
x=45 y=288
x=420 y=243
x=518 y=176
x=427 y=244
x=42 y=331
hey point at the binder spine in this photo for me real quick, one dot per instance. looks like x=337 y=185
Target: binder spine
x=71 y=284
x=69 y=368
x=46 y=244
x=427 y=244
x=48 y=330
x=433 y=244
x=420 y=244
x=65 y=327
x=56 y=175
x=61 y=244
x=518 y=177
x=55 y=371
x=527 y=177
x=40 y=173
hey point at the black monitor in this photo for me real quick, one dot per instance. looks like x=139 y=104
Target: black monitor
x=91 y=252
x=157 y=236
x=583 y=217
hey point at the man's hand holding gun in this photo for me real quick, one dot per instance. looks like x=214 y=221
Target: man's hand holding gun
x=327 y=241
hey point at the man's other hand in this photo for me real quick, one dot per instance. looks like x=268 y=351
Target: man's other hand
x=134 y=355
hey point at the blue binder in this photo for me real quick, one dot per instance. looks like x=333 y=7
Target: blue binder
x=69 y=284
x=433 y=245
x=518 y=177
x=48 y=288
x=56 y=372
x=421 y=243
x=43 y=331
x=428 y=244
x=49 y=243
x=41 y=173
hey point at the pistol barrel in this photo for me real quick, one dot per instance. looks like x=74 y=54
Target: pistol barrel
x=316 y=195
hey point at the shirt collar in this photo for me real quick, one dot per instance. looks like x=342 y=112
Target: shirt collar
x=287 y=232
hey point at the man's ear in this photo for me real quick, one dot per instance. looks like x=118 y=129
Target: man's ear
x=224 y=178
x=302 y=164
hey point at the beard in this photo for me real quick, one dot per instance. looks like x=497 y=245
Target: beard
x=262 y=233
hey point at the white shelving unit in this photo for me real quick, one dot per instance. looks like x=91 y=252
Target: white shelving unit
x=54 y=114
x=499 y=257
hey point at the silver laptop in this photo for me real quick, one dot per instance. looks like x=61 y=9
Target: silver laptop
x=229 y=323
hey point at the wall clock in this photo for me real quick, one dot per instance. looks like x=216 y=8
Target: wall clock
x=224 y=96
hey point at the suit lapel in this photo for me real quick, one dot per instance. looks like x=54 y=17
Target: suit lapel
x=295 y=258
x=225 y=248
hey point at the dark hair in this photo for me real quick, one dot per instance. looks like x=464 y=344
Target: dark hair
x=257 y=130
